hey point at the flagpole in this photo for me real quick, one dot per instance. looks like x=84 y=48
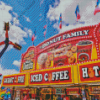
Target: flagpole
x=61 y=30
x=45 y=37
x=33 y=43
x=45 y=30
x=33 y=37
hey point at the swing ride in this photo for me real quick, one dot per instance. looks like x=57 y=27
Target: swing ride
x=7 y=42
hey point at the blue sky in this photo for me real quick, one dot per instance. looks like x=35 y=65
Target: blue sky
x=27 y=15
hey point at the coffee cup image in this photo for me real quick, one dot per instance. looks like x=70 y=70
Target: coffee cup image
x=84 y=50
x=83 y=57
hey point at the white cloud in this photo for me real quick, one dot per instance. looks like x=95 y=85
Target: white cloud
x=29 y=31
x=17 y=63
x=67 y=8
x=16 y=34
x=15 y=21
x=56 y=3
x=27 y=19
x=15 y=14
x=8 y=71
x=4 y=14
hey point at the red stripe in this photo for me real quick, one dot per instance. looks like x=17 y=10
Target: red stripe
x=1 y=43
x=60 y=25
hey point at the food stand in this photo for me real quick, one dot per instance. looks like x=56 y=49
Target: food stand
x=69 y=61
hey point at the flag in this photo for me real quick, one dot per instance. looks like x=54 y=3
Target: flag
x=45 y=29
x=97 y=9
x=77 y=13
x=45 y=26
x=60 y=21
x=33 y=37
x=45 y=32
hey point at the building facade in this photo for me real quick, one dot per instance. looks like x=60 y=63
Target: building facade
x=66 y=65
